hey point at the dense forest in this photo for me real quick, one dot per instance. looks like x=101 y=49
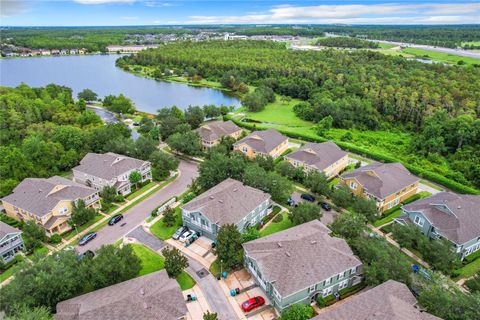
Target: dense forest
x=346 y=42
x=361 y=89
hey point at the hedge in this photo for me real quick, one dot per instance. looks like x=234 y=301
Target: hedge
x=432 y=176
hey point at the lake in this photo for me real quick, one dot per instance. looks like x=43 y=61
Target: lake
x=99 y=73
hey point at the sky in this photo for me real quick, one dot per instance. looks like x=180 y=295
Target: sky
x=176 y=12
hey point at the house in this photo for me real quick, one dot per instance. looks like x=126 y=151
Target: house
x=228 y=202
x=387 y=183
x=267 y=143
x=11 y=242
x=390 y=300
x=73 y=51
x=212 y=132
x=455 y=217
x=55 y=52
x=324 y=157
x=48 y=202
x=151 y=297
x=300 y=264
x=45 y=52
x=82 y=51
x=64 y=52
x=110 y=169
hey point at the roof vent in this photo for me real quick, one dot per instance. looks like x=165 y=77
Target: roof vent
x=142 y=292
x=40 y=190
x=235 y=190
x=313 y=242
x=145 y=306
x=459 y=207
x=279 y=244
x=288 y=254
x=221 y=201
x=211 y=197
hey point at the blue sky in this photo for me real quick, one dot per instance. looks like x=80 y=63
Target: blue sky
x=151 y=12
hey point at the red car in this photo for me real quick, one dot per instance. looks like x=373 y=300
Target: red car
x=253 y=303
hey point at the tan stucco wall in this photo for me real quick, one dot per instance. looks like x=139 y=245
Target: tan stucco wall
x=330 y=171
x=213 y=143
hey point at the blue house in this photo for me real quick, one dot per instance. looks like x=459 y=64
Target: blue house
x=455 y=217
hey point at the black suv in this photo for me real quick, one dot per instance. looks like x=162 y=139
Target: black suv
x=308 y=197
x=115 y=219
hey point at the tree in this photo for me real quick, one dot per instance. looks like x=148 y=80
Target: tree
x=81 y=214
x=407 y=236
x=439 y=254
x=219 y=167
x=87 y=95
x=211 y=111
x=24 y=313
x=210 y=316
x=317 y=182
x=366 y=207
x=194 y=116
x=324 y=125
x=169 y=217
x=162 y=164
x=473 y=284
x=265 y=162
x=348 y=225
x=33 y=235
x=144 y=147
x=187 y=143
x=250 y=234
x=175 y=261
x=89 y=118
x=229 y=246
x=108 y=194
x=298 y=311
x=304 y=212
x=135 y=177
x=287 y=170
x=342 y=197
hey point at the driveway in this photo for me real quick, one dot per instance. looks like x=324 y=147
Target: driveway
x=137 y=214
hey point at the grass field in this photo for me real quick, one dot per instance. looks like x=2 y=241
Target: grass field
x=141 y=190
x=277 y=226
x=163 y=232
x=185 y=281
x=440 y=57
x=469 y=270
x=279 y=112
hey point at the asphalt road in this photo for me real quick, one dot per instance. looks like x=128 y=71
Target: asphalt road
x=137 y=214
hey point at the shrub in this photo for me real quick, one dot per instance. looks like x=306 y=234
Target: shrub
x=119 y=198
x=321 y=303
x=189 y=197
x=54 y=239
x=278 y=218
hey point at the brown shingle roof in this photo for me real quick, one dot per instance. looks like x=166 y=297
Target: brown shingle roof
x=227 y=202
x=382 y=179
x=150 y=297
x=301 y=256
x=455 y=216
x=263 y=141
x=6 y=229
x=318 y=155
x=108 y=165
x=38 y=195
x=389 y=301
x=215 y=130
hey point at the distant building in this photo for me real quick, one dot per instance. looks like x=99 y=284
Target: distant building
x=390 y=300
x=387 y=183
x=11 y=242
x=447 y=215
x=45 y=52
x=73 y=51
x=82 y=51
x=324 y=157
x=228 y=202
x=110 y=169
x=267 y=143
x=55 y=52
x=212 y=132
x=302 y=263
x=151 y=297
x=48 y=202
x=130 y=48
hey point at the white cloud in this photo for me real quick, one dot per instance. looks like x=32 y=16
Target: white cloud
x=389 y=13
x=102 y=1
x=10 y=8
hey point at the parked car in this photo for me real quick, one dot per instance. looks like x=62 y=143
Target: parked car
x=253 y=303
x=186 y=235
x=325 y=206
x=179 y=232
x=87 y=254
x=115 y=219
x=308 y=197
x=291 y=202
x=87 y=238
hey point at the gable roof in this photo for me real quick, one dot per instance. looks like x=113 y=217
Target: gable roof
x=318 y=155
x=217 y=129
x=301 y=256
x=263 y=141
x=7 y=229
x=228 y=202
x=382 y=179
x=108 y=165
x=39 y=196
x=150 y=297
x=390 y=300
x=455 y=216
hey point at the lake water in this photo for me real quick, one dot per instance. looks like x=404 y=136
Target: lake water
x=99 y=73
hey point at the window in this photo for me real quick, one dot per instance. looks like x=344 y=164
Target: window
x=353 y=185
x=327 y=282
x=343 y=284
x=311 y=289
x=63 y=210
x=419 y=221
x=245 y=149
x=393 y=203
x=353 y=270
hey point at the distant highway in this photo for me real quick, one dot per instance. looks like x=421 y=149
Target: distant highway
x=458 y=52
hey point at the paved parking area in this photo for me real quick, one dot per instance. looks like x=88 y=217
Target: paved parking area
x=327 y=216
x=202 y=247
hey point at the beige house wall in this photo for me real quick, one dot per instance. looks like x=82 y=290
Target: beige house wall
x=209 y=144
x=330 y=171
x=250 y=153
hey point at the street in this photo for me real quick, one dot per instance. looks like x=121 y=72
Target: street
x=137 y=214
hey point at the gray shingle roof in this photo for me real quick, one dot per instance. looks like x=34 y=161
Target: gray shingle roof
x=150 y=297
x=38 y=195
x=388 y=178
x=263 y=141
x=227 y=202
x=455 y=216
x=216 y=129
x=318 y=155
x=6 y=229
x=390 y=300
x=301 y=256
x=108 y=165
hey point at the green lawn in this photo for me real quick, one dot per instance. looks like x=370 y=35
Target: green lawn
x=141 y=190
x=70 y=234
x=163 y=232
x=386 y=45
x=7 y=273
x=469 y=270
x=215 y=268
x=185 y=281
x=388 y=218
x=279 y=112
x=277 y=226
x=112 y=208
x=151 y=261
x=440 y=56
